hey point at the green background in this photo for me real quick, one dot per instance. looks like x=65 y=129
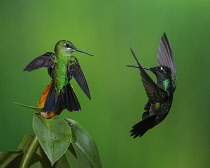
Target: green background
x=107 y=29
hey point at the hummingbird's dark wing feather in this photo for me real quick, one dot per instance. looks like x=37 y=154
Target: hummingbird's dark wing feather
x=45 y=60
x=165 y=55
x=152 y=90
x=76 y=71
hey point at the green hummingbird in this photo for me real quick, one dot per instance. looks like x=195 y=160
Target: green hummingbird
x=62 y=66
x=160 y=94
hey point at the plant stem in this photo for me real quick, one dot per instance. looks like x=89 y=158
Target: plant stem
x=25 y=162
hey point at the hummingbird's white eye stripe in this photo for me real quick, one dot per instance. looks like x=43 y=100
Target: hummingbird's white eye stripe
x=161 y=68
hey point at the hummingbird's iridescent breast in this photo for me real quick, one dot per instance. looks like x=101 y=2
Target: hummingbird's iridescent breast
x=60 y=72
x=166 y=83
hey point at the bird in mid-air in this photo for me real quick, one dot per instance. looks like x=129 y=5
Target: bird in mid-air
x=62 y=66
x=160 y=94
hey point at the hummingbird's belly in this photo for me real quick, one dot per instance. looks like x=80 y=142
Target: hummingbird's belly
x=159 y=108
x=60 y=77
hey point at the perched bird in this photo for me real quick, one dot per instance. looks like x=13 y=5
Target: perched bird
x=62 y=66
x=160 y=94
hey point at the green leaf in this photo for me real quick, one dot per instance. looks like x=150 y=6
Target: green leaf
x=40 y=160
x=73 y=156
x=62 y=163
x=9 y=157
x=13 y=158
x=25 y=142
x=54 y=136
x=84 y=153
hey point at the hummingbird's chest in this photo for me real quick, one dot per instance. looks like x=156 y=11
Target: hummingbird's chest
x=167 y=85
x=60 y=74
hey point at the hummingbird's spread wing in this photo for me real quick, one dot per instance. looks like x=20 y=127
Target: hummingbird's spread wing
x=45 y=60
x=76 y=71
x=152 y=90
x=165 y=55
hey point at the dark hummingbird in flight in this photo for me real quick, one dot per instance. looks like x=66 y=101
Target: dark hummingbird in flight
x=62 y=67
x=160 y=94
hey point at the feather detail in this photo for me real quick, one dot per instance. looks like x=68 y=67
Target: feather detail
x=45 y=60
x=75 y=70
x=165 y=55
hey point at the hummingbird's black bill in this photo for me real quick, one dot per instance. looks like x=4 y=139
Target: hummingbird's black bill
x=83 y=52
x=150 y=69
x=147 y=68
x=132 y=66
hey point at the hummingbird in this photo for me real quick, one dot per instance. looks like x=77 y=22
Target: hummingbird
x=62 y=67
x=160 y=94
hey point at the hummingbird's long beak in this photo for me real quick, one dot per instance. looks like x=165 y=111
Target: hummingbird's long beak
x=83 y=51
x=147 y=68
x=150 y=69
x=132 y=66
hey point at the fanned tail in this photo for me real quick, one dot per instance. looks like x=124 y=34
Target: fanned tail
x=143 y=126
x=66 y=100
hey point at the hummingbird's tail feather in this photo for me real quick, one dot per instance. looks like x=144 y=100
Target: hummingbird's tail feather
x=66 y=100
x=143 y=126
x=145 y=115
x=50 y=103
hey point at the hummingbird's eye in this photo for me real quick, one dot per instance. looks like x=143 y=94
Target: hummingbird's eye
x=67 y=46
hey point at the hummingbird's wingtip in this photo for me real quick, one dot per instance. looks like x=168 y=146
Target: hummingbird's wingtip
x=164 y=35
x=133 y=52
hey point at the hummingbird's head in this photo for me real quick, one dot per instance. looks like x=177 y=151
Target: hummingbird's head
x=67 y=48
x=160 y=71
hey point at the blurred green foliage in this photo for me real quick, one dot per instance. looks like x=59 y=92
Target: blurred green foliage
x=107 y=29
